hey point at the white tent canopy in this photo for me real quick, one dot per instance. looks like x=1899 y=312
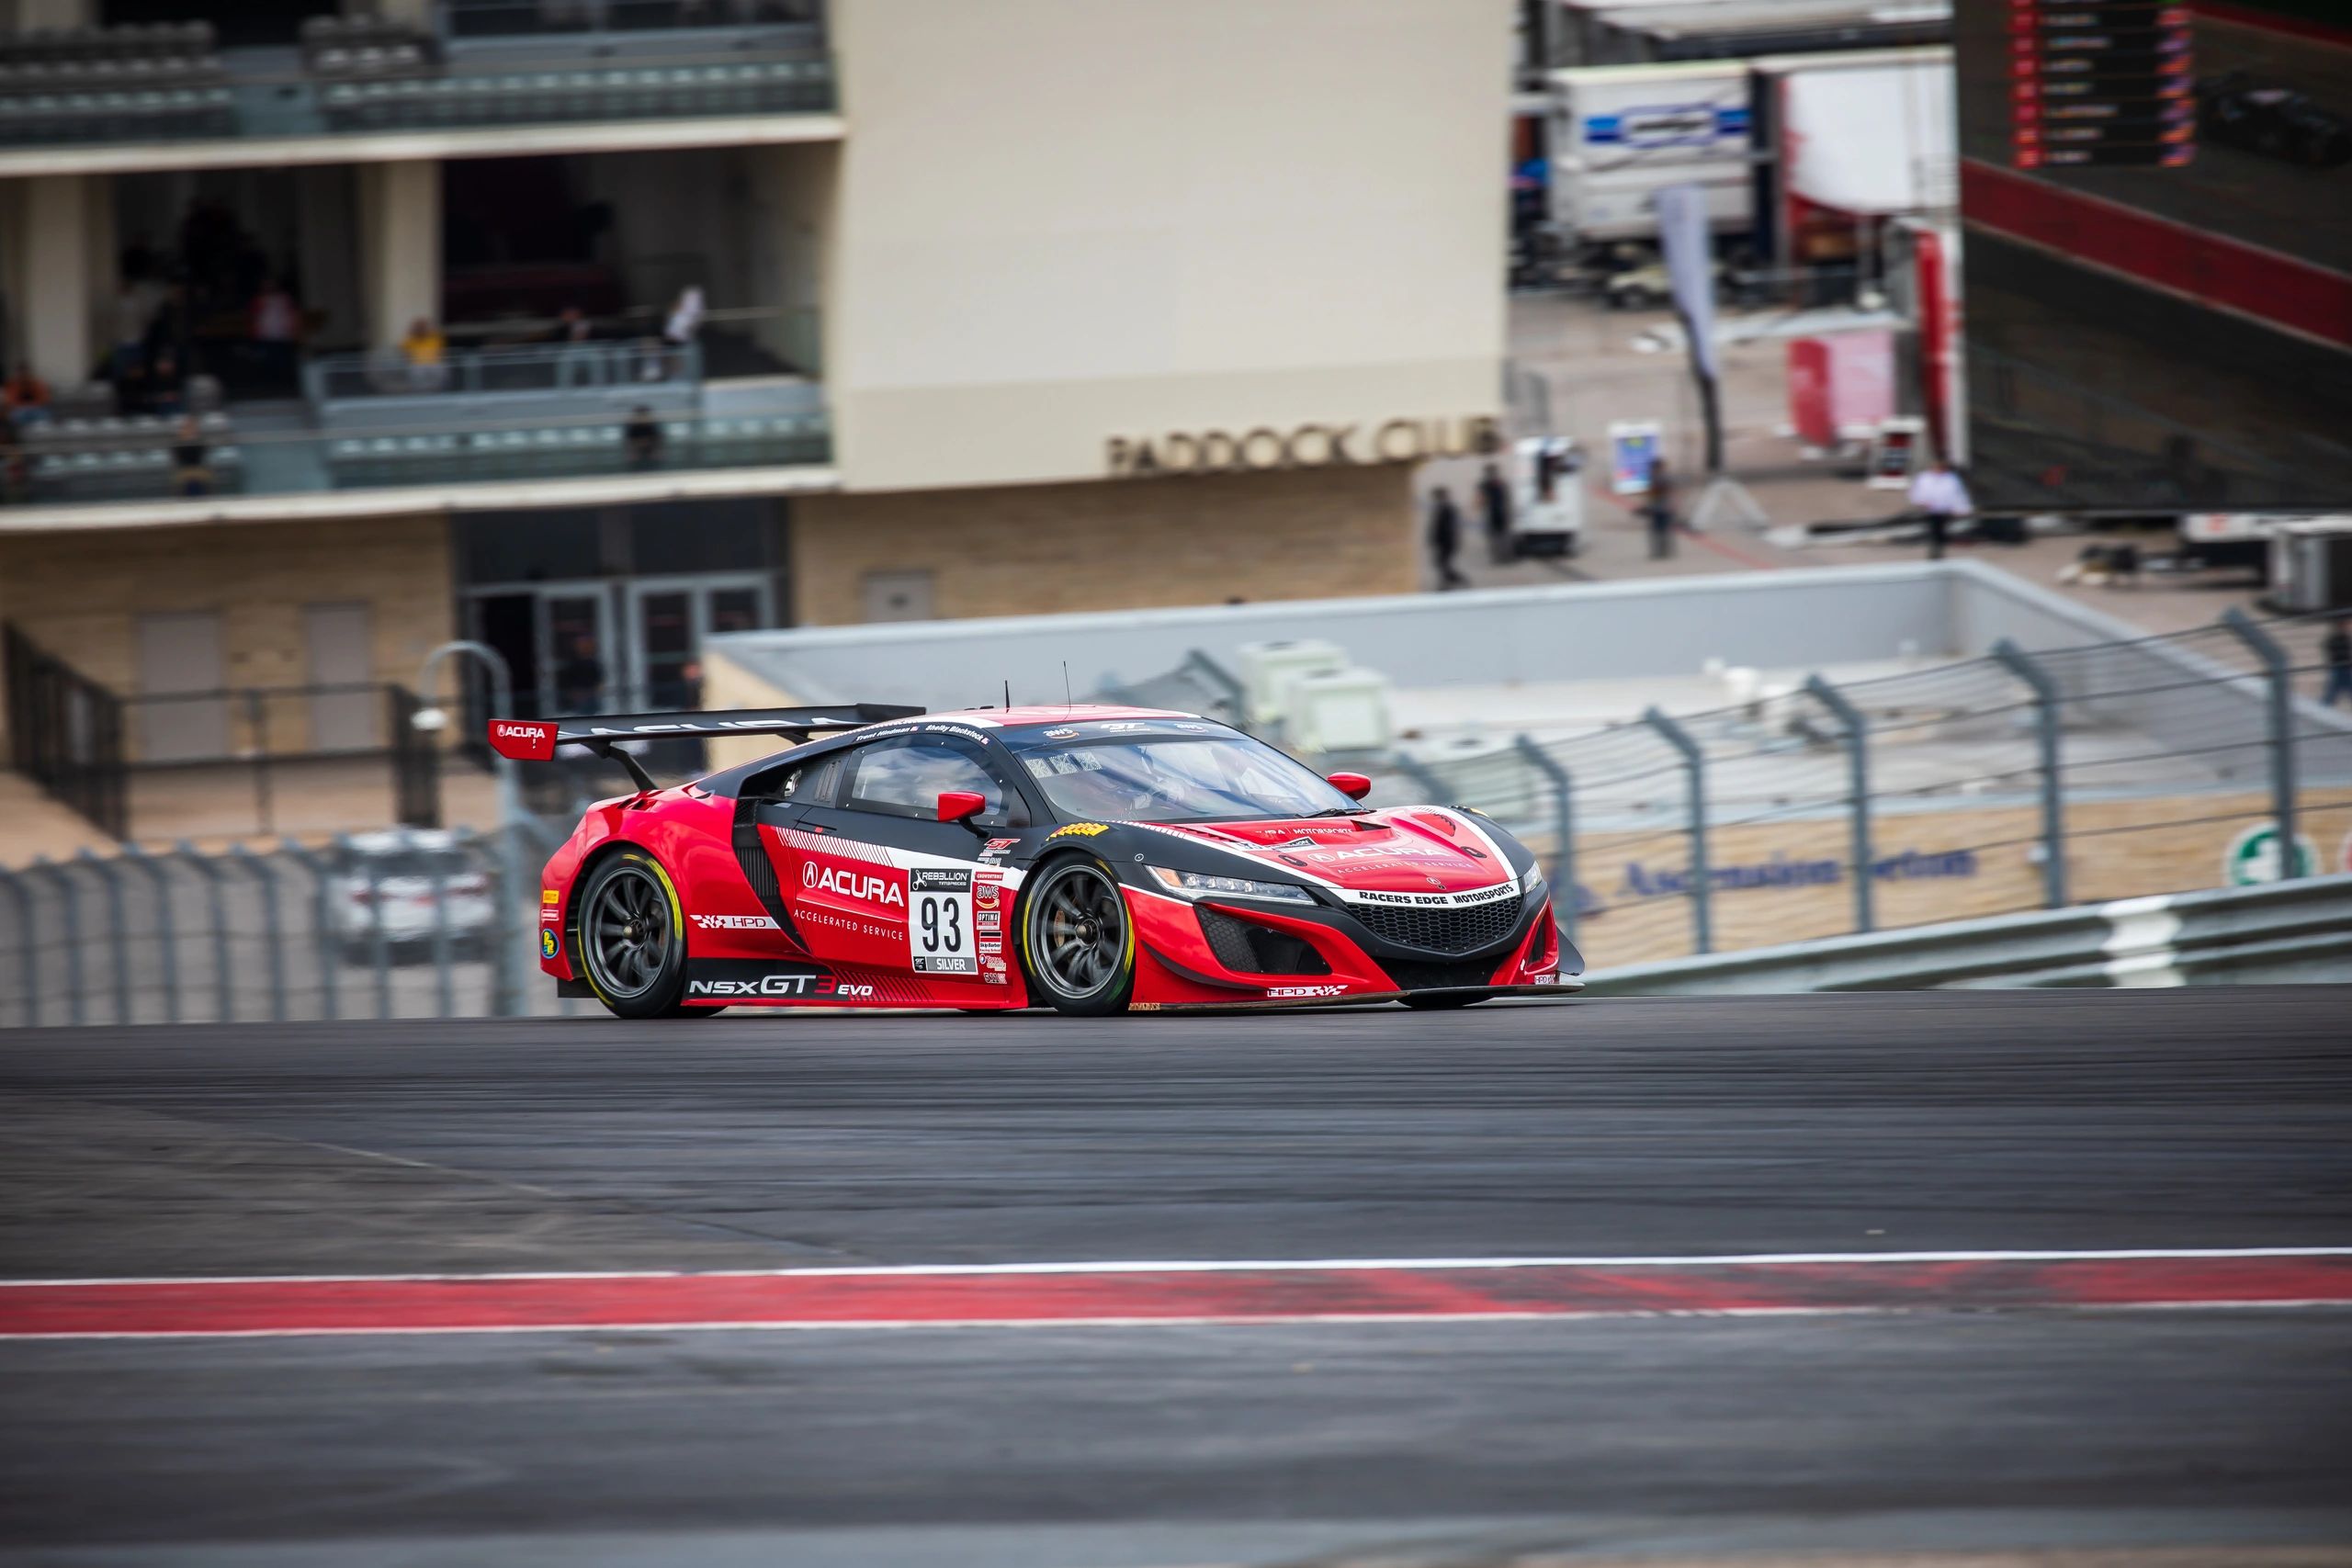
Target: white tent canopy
x=1872 y=139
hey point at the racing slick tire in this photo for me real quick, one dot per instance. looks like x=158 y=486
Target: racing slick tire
x=631 y=938
x=1078 y=943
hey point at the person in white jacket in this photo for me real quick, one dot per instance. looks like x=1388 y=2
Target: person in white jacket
x=1937 y=492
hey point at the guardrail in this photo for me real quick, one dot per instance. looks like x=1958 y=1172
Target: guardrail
x=2281 y=932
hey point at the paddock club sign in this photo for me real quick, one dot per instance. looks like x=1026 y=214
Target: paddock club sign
x=1301 y=446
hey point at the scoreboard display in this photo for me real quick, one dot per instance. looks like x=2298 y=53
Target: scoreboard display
x=2100 y=82
x=2155 y=239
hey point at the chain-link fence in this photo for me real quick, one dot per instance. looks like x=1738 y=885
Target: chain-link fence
x=1804 y=810
x=401 y=924
x=1992 y=785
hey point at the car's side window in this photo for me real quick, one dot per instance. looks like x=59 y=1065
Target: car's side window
x=906 y=777
x=811 y=784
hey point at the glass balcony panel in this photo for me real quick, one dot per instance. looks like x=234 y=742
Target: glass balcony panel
x=485 y=64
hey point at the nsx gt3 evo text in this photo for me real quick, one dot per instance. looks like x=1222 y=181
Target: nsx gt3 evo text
x=1087 y=858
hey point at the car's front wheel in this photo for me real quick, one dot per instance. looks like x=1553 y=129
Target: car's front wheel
x=632 y=946
x=1078 y=947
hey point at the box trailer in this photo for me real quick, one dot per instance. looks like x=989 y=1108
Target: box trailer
x=1620 y=133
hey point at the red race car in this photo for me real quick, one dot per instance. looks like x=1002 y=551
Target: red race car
x=1087 y=858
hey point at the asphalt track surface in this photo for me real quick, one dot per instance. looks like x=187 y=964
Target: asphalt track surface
x=1860 y=1124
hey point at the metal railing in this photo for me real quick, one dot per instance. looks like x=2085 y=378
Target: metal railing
x=64 y=733
x=212 y=764
x=534 y=19
x=552 y=369
x=563 y=78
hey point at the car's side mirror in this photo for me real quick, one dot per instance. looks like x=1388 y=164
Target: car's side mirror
x=961 y=806
x=1355 y=787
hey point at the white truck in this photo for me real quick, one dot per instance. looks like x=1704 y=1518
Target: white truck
x=1620 y=133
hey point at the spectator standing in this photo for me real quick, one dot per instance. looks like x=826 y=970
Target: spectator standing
x=426 y=352
x=644 y=436
x=573 y=357
x=190 y=467
x=580 y=680
x=1657 y=507
x=1445 y=538
x=275 y=324
x=1494 y=508
x=1938 y=492
x=26 y=396
x=2335 y=651
x=166 y=384
x=15 y=472
x=136 y=306
x=683 y=326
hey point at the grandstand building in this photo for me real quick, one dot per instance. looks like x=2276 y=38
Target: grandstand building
x=591 y=328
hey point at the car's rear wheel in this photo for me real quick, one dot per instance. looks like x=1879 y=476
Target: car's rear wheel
x=1078 y=947
x=632 y=942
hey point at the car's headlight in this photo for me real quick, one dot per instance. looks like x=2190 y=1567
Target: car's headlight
x=1531 y=884
x=1199 y=884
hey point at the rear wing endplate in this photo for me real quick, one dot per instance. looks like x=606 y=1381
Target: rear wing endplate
x=535 y=741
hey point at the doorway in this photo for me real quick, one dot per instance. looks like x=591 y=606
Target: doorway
x=183 y=709
x=669 y=621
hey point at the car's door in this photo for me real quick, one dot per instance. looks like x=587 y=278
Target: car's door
x=878 y=881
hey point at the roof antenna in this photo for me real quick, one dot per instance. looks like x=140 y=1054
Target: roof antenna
x=1067 y=703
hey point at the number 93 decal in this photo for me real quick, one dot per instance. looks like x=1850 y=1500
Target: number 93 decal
x=939 y=922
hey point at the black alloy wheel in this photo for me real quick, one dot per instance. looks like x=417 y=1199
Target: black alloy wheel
x=1078 y=947
x=631 y=946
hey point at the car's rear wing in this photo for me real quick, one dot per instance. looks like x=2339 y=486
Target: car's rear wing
x=535 y=739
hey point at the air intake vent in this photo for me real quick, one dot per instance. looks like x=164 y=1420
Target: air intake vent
x=1448 y=932
x=1254 y=948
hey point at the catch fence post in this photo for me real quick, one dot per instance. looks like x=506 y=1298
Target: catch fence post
x=273 y=932
x=167 y=939
x=2280 y=670
x=28 y=952
x=258 y=719
x=1564 y=857
x=441 y=994
x=1423 y=779
x=69 y=901
x=1858 y=768
x=379 y=943
x=118 y=938
x=226 y=1004
x=506 y=965
x=1694 y=766
x=2046 y=698
x=324 y=933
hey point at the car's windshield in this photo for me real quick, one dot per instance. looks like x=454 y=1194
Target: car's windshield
x=1176 y=779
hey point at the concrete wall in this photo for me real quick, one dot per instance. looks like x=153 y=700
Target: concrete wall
x=1043 y=548
x=80 y=594
x=1572 y=632
x=1064 y=221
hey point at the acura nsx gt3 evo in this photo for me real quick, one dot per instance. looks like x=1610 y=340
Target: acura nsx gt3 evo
x=1086 y=859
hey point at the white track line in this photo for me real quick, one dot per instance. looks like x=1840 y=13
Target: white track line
x=1227 y=1266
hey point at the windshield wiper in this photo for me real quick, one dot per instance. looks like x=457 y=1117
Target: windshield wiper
x=1342 y=811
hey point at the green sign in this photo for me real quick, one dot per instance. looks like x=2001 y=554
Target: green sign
x=2253 y=856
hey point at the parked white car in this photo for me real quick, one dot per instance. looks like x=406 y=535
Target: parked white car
x=387 y=878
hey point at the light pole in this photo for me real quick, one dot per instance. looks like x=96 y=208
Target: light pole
x=510 y=792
